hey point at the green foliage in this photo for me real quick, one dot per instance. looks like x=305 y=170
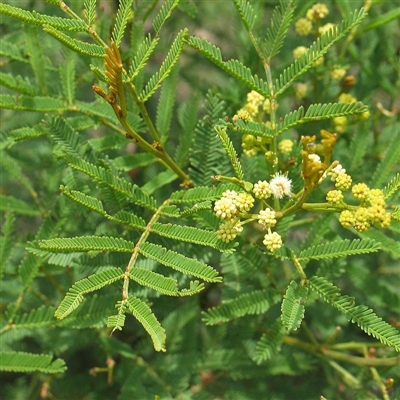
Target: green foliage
x=141 y=180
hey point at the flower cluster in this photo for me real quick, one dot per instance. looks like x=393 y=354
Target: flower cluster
x=371 y=210
x=233 y=205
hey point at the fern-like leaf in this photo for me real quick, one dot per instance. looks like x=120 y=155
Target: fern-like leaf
x=179 y=262
x=166 y=67
x=117 y=184
x=391 y=158
x=6 y=239
x=32 y=103
x=142 y=54
x=280 y=23
x=18 y=83
x=35 y=18
x=160 y=283
x=198 y=194
x=90 y=284
x=318 y=112
x=87 y=243
x=392 y=187
x=17 y=361
x=123 y=13
x=63 y=133
x=230 y=151
x=36 y=55
x=317 y=50
x=67 y=75
x=339 y=248
x=256 y=302
x=270 y=342
x=293 y=306
x=251 y=128
x=164 y=14
x=87 y=49
x=90 y=11
x=191 y=235
x=246 y=12
x=363 y=316
x=142 y=312
x=83 y=199
x=233 y=67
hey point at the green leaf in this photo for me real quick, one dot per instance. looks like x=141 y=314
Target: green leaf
x=123 y=15
x=67 y=75
x=36 y=57
x=246 y=12
x=233 y=67
x=142 y=312
x=256 y=302
x=207 y=157
x=339 y=248
x=115 y=183
x=164 y=14
x=90 y=11
x=363 y=316
x=392 y=187
x=270 y=342
x=165 y=105
x=6 y=239
x=14 y=361
x=63 y=133
x=280 y=22
x=87 y=243
x=32 y=103
x=90 y=284
x=87 y=49
x=192 y=235
x=157 y=282
x=18 y=206
x=166 y=67
x=35 y=18
x=18 y=83
x=293 y=306
x=230 y=151
x=318 y=112
x=317 y=50
x=179 y=262
x=142 y=54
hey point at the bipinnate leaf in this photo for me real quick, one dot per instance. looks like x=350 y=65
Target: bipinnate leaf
x=179 y=262
x=158 y=282
x=90 y=284
x=317 y=50
x=363 y=316
x=87 y=243
x=123 y=13
x=276 y=32
x=293 y=306
x=35 y=18
x=164 y=14
x=234 y=68
x=142 y=312
x=270 y=342
x=18 y=361
x=340 y=248
x=256 y=302
x=84 y=48
x=166 y=67
x=230 y=151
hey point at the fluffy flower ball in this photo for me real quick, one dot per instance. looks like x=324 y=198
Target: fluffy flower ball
x=267 y=218
x=280 y=186
x=272 y=241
